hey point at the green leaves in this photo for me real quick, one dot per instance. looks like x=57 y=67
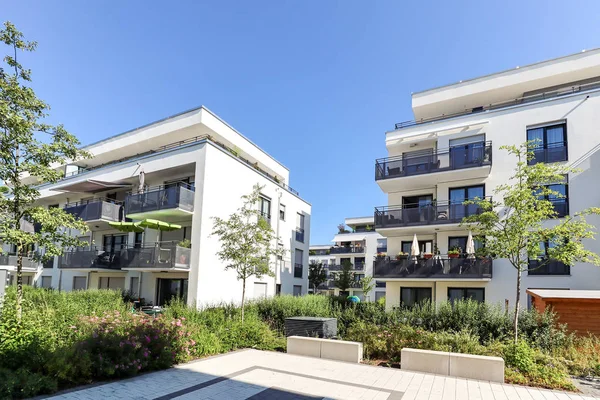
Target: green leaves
x=316 y=274
x=344 y=279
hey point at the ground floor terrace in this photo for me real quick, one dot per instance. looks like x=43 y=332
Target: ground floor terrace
x=253 y=374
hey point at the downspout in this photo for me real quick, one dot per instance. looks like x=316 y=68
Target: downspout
x=279 y=193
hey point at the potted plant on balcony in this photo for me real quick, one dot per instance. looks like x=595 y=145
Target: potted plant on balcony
x=427 y=256
x=381 y=254
x=342 y=229
x=402 y=256
x=454 y=252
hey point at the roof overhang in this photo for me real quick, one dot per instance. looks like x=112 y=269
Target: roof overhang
x=349 y=237
x=91 y=186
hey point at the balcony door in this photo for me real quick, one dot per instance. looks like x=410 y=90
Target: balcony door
x=417 y=209
x=417 y=162
x=171 y=288
x=114 y=243
x=425 y=246
x=467 y=152
x=459 y=195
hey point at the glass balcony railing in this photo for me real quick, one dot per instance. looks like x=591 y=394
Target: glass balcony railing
x=29 y=263
x=440 y=212
x=436 y=267
x=96 y=209
x=549 y=153
x=421 y=162
x=179 y=196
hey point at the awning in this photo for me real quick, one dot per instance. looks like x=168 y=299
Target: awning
x=349 y=237
x=91 y=186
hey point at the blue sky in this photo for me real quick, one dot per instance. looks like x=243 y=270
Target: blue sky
x=314 y=83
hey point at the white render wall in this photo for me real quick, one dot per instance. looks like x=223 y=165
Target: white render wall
x=507 y=127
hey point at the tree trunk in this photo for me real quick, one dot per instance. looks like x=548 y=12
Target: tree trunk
x=517 y=306
x=243 y=297
x=19 y=283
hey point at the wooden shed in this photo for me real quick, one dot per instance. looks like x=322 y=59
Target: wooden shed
x=579 y=309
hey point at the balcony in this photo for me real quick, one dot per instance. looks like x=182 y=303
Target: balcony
x=415 y=215
x=347 y=250
x=473 y=160
x=355 y=267
x=163 y=256
x=434 y=268
x=96 y=210
x=553 y=267
x=161 y=202
x=300 y=235
x=549 y=153
x=29 y=263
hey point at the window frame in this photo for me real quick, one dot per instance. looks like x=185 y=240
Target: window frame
x=544 y=144
x=464 y=289
x=402 y=304
x=282 y=212
x=262 y=198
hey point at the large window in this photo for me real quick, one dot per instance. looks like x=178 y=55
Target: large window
x=108 y=282
x=545 y=266
x=79 y=283
x=298 y=263
x=300 y=227
x=460 y=243
x=46 y=282
x=466 y=152
x=114 y=243
x=264 y=206
x=260 y=290
x=461 y=194
x=560 y=200
x=134 y=285
x=409 y=296
x=550 y=143
x=297 y=290
x=477 y=294
x=425 y=246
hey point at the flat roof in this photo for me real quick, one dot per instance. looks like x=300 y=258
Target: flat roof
x=565 y=294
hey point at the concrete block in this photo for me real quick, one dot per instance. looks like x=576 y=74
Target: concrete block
x=304 y=346
x=341 y=350
x=483 y=368
x=433 y=362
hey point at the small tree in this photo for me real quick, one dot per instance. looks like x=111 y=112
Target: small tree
x=367 y=284
x=316 y=274
x=23 y=154
x=514 y=227
x=344 y=279
x=247 y=241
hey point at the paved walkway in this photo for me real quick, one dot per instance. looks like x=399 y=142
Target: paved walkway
x=256 y=375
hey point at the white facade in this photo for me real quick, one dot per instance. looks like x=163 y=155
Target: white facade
x=453 y=148
x=196 y=167
x=359 y=245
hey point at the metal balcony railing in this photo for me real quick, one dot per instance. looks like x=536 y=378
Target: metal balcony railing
x=165 y=255
x=337 y=267
x=552 y=267
x=179 y=195
x=435 y=267
x=347 y=250
x=96 y=209
x=549 y=153
x=420 y=162
x=440 y=212
x=29 y=263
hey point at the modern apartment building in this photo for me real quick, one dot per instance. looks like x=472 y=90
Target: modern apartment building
x=451 y=152
x=183 y=171
x=359 y=245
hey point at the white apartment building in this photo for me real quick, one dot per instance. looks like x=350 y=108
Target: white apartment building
x=359 y=244
x=195 y=167
x=451 y=152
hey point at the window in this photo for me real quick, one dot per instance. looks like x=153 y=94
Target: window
x=139 y=239
x=477 y=294
x=278 y=289
x=560 y=200
x=112 y=283
x=26 y=279
x=298 y=263
x=46 y=282
x=359 y=262
x=297 y=290
x=380 y=284
x=264 y=207
x=459 y=195
x=114 y=243
x=544 y=266
x=550 y=143
x=134 y=286
x=260 y=290
x=409 y=296
x=282 y=212
x=466 y=152
x=379 y=295
x=300 y=228
x=460 y=242
x=425 y=246
x=79 y=283
x=381 y=245
x=52 y=206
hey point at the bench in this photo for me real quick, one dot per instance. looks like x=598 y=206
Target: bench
x=470 y=366
x=340 y=350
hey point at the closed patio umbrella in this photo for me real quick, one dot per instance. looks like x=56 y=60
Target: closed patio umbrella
x=142 y=181
x=470 y=250
x=414 y=248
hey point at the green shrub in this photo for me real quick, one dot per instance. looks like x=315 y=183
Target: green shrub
x=520 y=356
x=22 y=383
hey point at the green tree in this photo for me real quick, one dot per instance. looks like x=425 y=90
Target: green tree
x=247 y=241
x=30 y=148
x=514 y=227
x=316 y=274
x=367 y=284
x=344 y=279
